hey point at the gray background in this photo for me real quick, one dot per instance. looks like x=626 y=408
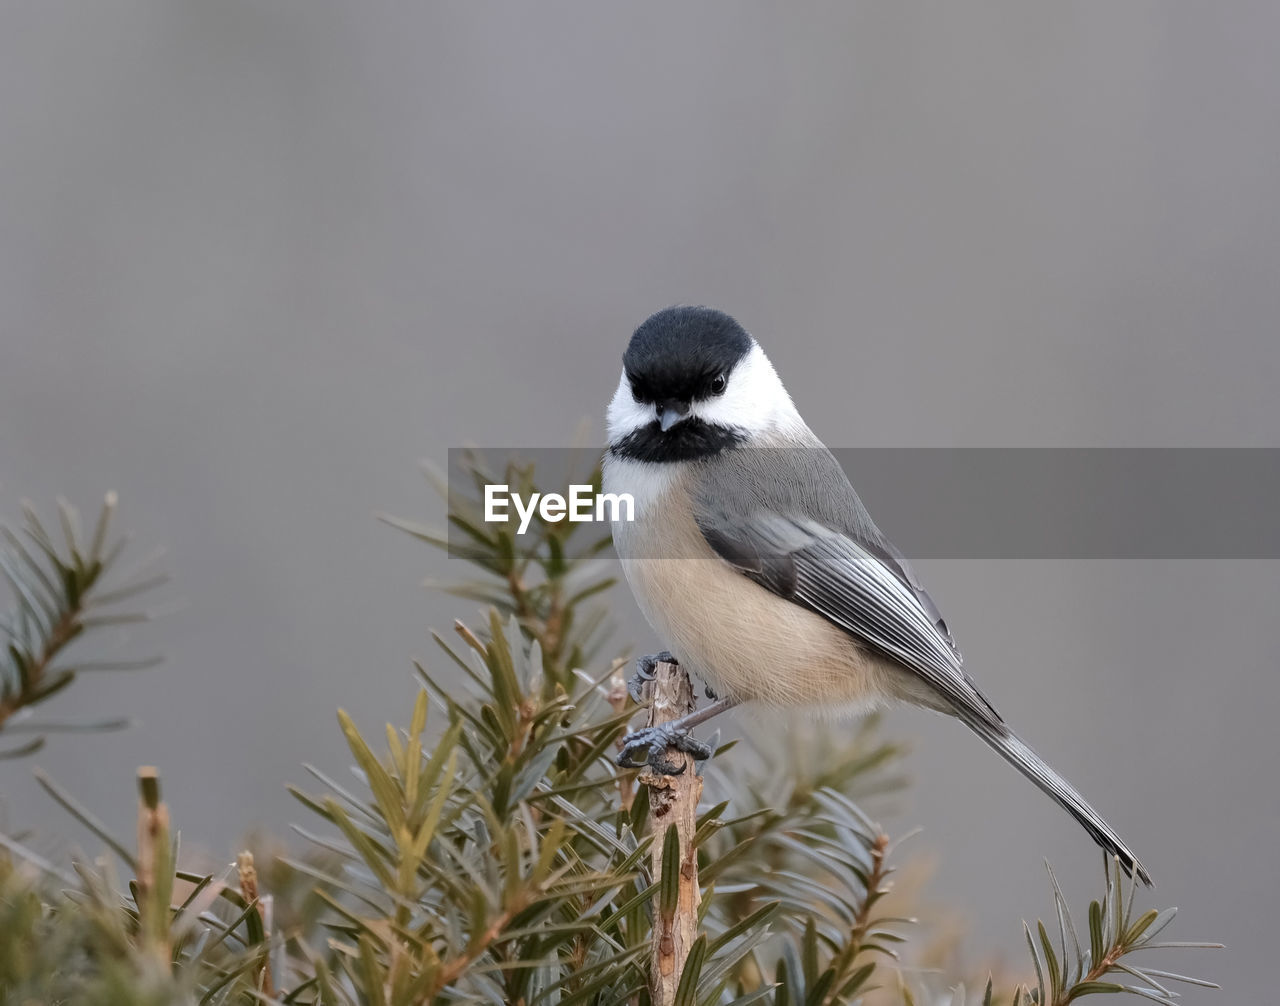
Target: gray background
x=258 y=259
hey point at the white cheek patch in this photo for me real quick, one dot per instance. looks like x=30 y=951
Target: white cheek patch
x=754 y=400
x=626 y=415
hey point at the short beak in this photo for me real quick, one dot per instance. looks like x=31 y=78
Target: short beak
x=671 y=412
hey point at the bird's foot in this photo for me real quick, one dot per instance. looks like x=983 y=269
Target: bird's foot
x=650 y=745
x=644 y=674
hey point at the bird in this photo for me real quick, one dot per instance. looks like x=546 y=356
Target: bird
x=752 y=556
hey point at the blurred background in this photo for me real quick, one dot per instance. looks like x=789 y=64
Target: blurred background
x=257 y=260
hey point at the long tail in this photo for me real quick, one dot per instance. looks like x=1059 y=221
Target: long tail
x=1010 y=747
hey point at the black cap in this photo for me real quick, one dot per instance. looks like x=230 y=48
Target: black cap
x=679 y=352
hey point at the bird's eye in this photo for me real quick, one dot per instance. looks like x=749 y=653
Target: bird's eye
x=718 y=384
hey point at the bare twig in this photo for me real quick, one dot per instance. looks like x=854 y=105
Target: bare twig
x=248 y=875
x=155 y=865
x=673 y=803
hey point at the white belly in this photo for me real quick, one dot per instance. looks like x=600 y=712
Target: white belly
x=745 y=641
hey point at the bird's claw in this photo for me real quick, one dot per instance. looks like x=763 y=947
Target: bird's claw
x=650 y=745
x=644 y=674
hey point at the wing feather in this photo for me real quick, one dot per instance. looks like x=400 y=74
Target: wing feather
x=806 y=537
x=849 y=585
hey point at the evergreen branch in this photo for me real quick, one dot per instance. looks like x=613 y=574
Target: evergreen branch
x=453 y=970
x=59 y=593
x=530 y=577
x=497 y=855
x=1114 y=934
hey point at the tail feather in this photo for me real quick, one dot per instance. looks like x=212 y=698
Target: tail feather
x=1010 y=747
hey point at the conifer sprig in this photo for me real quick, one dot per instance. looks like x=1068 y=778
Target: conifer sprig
x=61 y=590
x=488 y=850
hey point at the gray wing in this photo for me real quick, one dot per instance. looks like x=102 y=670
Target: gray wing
x=790 y=521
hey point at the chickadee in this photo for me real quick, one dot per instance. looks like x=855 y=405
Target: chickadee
x=753 y=558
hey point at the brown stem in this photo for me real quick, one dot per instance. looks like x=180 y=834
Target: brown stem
x=1096 y=973
x=673 y=803
x=547 y=631
x=451 y=971
x=248 y=876
x=862 y=920
x=64 y=630
x=875 y=877
x=155 y=865
x=515 y=585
